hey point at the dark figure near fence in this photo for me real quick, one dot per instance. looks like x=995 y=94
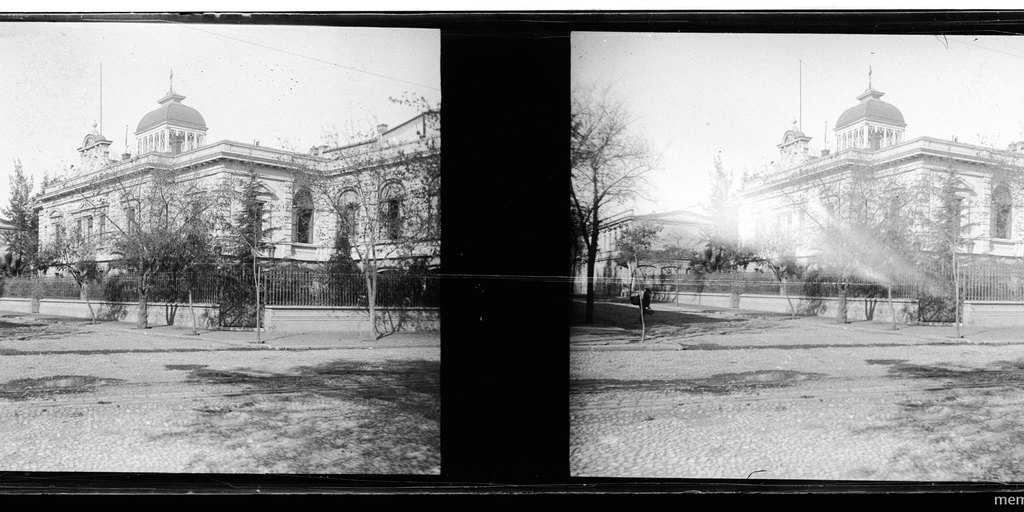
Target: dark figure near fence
x=645 y=297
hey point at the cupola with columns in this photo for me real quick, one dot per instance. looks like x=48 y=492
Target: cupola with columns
x=172 y=128
x=872 y=124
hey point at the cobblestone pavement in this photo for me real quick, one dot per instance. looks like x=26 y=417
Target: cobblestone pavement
x=77 y=397
x=767 y=397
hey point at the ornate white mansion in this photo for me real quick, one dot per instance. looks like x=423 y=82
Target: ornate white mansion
x=870 y=138
x=88 y=198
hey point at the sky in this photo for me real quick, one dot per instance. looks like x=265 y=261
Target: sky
x=694 y=96
x=284 y=86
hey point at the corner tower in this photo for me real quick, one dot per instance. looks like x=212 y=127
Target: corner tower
x=95 y=151
x=794 y=149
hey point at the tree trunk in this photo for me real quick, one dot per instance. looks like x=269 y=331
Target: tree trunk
x=371 y=302
x=85 y=296
x=841 y=317
x=256 y=283
x=784 y=290
x=37 y=293
x=142 y=320
x=591 y=264
x=643 y=324
x=192 y=312
x=892 y=308
x=629 y=290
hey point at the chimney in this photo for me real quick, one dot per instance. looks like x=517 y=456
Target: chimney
x=126 y=156
x=381 y=129
x=825 y=152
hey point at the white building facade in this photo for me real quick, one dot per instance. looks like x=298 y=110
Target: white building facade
x=869 y=139
x=88 y=199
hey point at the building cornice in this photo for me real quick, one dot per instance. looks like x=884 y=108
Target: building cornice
x=187 y=161
x=914 y=149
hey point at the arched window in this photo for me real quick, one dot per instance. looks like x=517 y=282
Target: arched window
x=390 y=211
x=302 y=207
x=1002 y=212
x=58 y=229
x=348 y=216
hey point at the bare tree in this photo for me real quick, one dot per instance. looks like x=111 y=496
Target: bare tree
x=384 y=198
x=163 y=219
x=775 y=251
x=608 y=166
x=634 y=245
x=76 y=256
x=868 y=230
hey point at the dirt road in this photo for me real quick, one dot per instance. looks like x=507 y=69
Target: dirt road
x=736 y=396
x=78 y=398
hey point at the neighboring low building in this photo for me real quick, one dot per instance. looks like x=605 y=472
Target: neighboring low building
x=681 y=233
x=5 y=228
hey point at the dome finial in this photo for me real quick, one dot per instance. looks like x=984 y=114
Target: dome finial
x=172 y=80
x=869 y=76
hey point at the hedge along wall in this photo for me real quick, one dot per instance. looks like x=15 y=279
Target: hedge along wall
x=857 y=308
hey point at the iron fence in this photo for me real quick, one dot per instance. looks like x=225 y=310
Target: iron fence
x=313 y=288
x=810 y=284
x=993 y=281
x=278 y=287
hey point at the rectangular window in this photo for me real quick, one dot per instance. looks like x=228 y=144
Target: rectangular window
x=78 y=228
x=88 y=227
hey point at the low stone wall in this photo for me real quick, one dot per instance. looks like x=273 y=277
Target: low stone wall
x=856 y=308
x=325 y=319
x=279 y=318
x=994 y=313
x=159 y=313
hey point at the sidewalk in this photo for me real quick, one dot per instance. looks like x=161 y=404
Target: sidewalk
x=113 y=335
x=968 y=333
x=782 y=329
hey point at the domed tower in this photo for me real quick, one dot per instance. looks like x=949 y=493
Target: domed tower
x=872 y=124
x=172 y=128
